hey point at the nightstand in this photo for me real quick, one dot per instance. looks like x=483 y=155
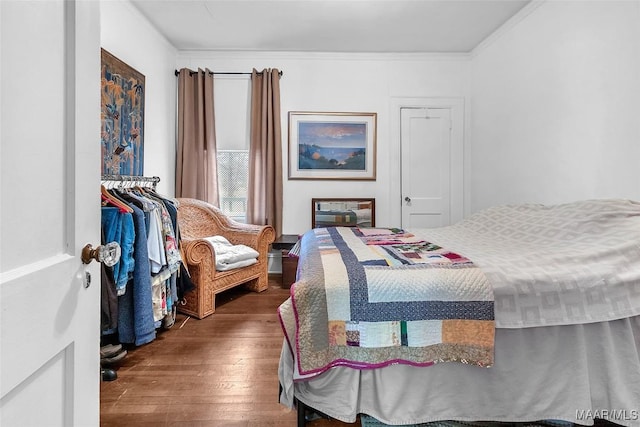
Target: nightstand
x=289 y=264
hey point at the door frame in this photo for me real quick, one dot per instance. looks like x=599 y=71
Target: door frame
x=459 y=186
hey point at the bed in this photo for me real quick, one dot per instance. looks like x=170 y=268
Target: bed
x=532 y=313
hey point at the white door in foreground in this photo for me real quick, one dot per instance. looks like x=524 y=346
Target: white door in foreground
x=50 y=177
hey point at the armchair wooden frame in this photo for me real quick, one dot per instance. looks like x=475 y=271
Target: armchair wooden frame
x=197 y=220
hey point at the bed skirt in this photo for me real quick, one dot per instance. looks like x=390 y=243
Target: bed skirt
x=573 y=373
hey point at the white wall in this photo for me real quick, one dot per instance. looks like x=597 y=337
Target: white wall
x=341 y=83
x=126 y=34
x=556 y=104
x=552 y=104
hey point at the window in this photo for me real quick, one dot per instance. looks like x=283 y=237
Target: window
x=233 y=180
x=231 y=98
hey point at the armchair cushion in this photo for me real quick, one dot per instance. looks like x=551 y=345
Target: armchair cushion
x=229 y=256
x=199 y=221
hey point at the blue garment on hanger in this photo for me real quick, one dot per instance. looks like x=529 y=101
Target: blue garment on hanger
x=135 y=307
x=118 y=227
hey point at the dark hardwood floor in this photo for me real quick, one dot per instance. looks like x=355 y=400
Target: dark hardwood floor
x=219 y=371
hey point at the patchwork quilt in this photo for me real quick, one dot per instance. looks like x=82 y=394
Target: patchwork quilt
x=367 y=298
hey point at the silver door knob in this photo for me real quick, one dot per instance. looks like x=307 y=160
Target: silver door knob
x=407 y=199
x=108 y=254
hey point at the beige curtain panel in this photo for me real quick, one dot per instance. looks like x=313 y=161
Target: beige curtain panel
x=264 y=204
x=196 y=168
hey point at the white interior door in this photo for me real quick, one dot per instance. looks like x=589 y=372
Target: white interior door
x=50 y=177
x=430 y=166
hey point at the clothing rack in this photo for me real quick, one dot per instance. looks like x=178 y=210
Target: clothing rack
x=213 y=73
x=140 y=295
x=131 y=180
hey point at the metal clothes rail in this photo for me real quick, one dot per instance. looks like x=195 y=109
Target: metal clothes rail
x=130 y=180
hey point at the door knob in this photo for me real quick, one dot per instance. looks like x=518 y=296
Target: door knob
x=108 y=254
x=407 y=199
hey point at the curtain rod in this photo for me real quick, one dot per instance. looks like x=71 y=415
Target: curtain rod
x=191 y=72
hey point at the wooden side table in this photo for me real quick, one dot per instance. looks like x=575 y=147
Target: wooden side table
x=289 y=269
x=289 y=264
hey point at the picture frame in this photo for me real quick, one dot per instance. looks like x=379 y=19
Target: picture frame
x=343 y=212
x=122 y=92
x=337 y=146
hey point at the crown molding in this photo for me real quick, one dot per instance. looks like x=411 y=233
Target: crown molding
x=507 y=26
x=339 y=56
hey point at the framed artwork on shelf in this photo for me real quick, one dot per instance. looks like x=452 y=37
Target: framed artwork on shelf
x=122 y=117
x=338 y=146
x=343 y=212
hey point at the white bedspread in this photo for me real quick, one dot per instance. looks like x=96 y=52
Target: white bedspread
x=229 y=256
x=573 y=373
x=564 y=264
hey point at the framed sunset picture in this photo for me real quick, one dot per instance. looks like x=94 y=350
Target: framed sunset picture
x=338 y=146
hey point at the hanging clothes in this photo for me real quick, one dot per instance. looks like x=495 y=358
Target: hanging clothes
x=135 y=310
x=145 y=225
x=108 y=297
x=117 y=226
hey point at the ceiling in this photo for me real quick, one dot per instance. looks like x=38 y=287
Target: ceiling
x=407 y=26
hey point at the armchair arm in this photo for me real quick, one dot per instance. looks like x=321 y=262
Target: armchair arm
x=199 y=254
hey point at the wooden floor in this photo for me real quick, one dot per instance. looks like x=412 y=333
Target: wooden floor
x=219 y=371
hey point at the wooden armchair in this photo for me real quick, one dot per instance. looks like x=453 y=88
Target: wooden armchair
x=198 y=219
